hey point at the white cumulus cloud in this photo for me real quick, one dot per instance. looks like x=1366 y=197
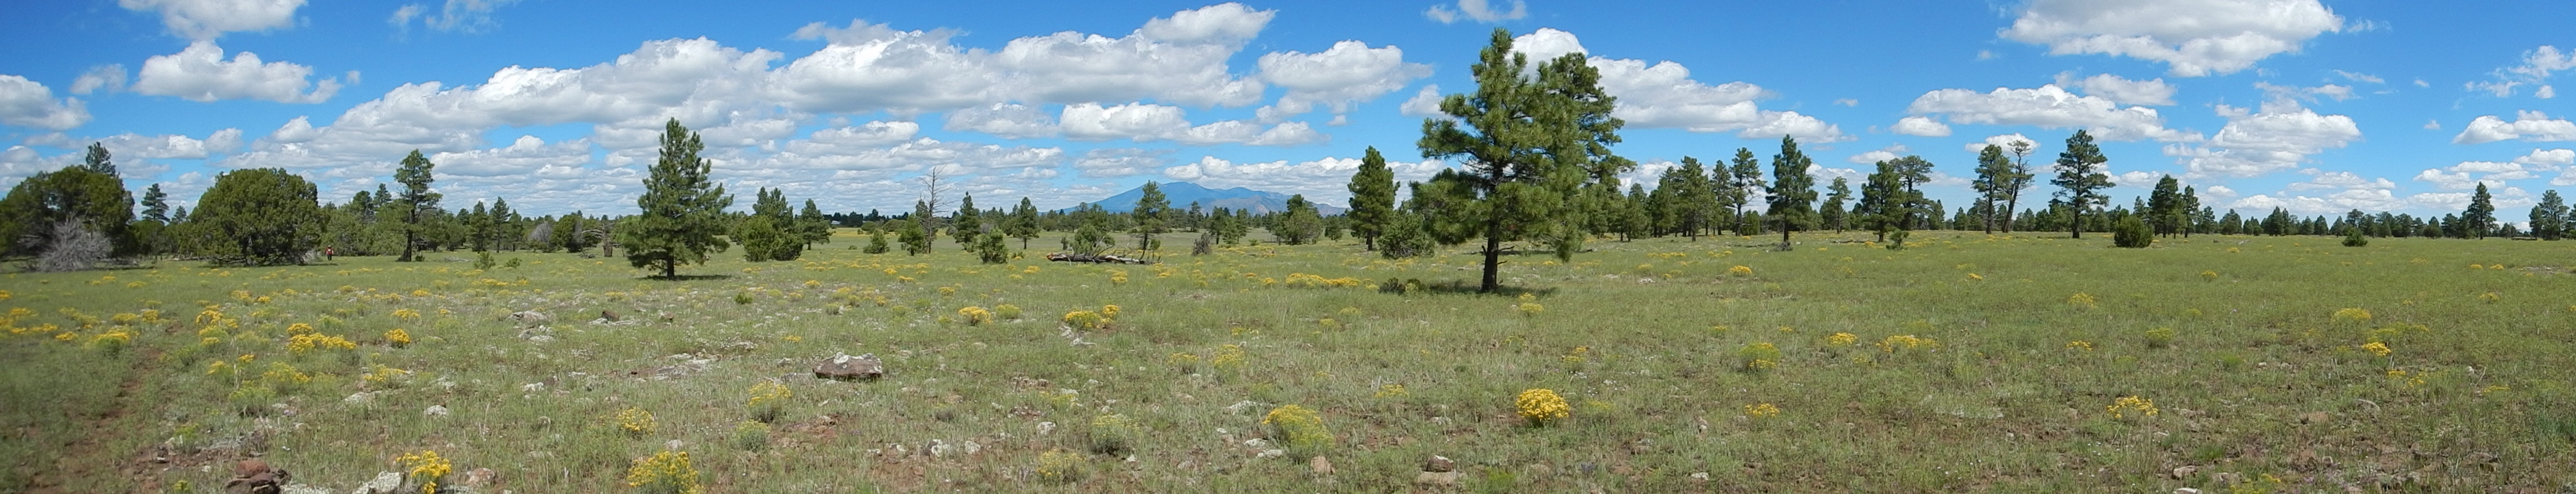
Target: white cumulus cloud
x=1478 y=10
x=2536 y=67
x=2280 y=137
x=2194 y=37
x=2152 y=92
x=2048 y=107
x=200 y=73
x=205 y=19
x=1338 y=78
x=1921 y=126
x=2527 y=125
x=26 y=103
x=1663 y=95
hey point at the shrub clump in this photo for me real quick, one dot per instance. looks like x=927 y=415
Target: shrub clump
x=2132 y=233
x=666 y=472
x=1541 y=406
x=1298 y=427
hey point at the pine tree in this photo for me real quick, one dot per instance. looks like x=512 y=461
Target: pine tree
x=2481 y=214
x=1533 y=142
x=505 y=225
x=156 y=204
x=966 y=224
x=1836 y=214
x=1151 y=213
x=1879 y=201
x=812 y=226
x=2548 y=218
x=1744 y=189
x=1023 y=224
x=916 y=236
x=1300 y=224
x=2165 y=207
x=1994 y=173
x=1793 y=191
x=1372 y=198
x=2080 y=179
x=682 y=208
x=877 y=241
x=418 y=202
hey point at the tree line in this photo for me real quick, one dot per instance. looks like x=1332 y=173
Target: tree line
x=1532 y=141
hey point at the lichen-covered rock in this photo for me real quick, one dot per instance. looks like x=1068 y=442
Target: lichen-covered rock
x=847 y=368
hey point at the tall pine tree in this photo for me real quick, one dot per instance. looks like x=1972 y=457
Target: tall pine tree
x=1526 y=145
x=1372 y=198
x=682 y=218
x=1793 y=191
x=2080 y=179
x=418 y=202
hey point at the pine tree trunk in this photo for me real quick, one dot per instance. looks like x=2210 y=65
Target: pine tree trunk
x=1493 y=256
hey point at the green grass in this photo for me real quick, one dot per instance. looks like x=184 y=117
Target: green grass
x=1644 y=339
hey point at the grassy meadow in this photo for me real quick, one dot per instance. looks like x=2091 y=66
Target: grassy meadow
x=2020 y=363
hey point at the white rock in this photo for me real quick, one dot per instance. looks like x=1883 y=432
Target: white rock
x=675 y=445
x=434 y=411
x=1257 y=443
x=359 y=398
x=1271 y=453
x=385 y=483
x=1045 y=428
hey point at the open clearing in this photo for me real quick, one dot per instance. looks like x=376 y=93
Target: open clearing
x=1968 y=362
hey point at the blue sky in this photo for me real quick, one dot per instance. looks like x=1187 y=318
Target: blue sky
x=2316 y=106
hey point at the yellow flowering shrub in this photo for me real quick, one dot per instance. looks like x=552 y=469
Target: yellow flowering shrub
x=1114 y=434
x=425 y=468
x=2352 y=314
x=1541 y=406
x=1298 y=427
x=1057 y=466
x=1761 y=410
x=398 y=338
x=1007 y=311
x=1841 y=339
x=974 y=316
x=317 y=341
x=635 y=421
x=1391 y=391
x=1906 y=342
x=403 y=314
x=2080 y=345
x=1758 y=356
x=1083 y=319
x=1228 y=356
x=2132 y=404
x=112 y=341
x=2376 y=348
x=768 y=399
x=666 y=472
x=1740 y=270
x=2081 y=300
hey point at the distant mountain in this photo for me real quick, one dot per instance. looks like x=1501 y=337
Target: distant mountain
x=1181 y=194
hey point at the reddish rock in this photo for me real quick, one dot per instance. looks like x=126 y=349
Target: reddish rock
x=845 y=367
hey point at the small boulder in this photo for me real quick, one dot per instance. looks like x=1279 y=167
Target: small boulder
x=847 y=368
x=253 y=476
x=527 y=318
x=1319 y=466
x=434 y=411
x=479 y=477
x=1440 y=464
x=385 y=483
x=1438 y=479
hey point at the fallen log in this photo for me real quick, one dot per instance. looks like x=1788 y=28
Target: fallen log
x=1094 y=258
